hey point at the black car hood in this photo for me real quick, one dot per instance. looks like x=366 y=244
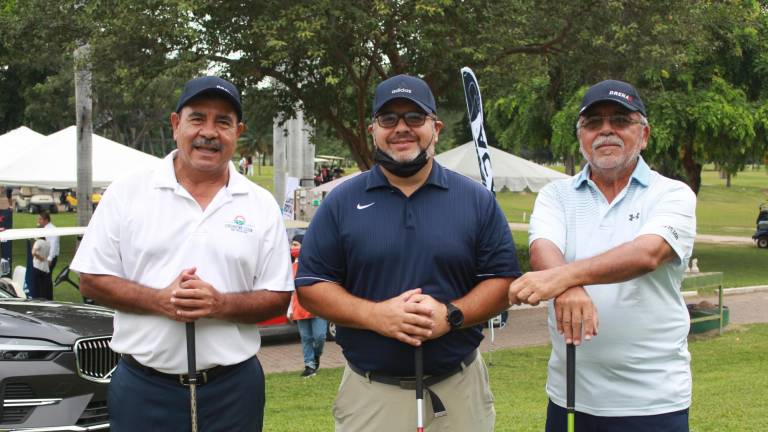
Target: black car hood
x=58 y=322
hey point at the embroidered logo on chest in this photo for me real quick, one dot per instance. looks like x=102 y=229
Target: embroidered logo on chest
x=634 y=216
x=239 y=225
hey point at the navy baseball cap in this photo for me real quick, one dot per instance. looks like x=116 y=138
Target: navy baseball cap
x=613 y=91
x=404 y=87
x=211 y=84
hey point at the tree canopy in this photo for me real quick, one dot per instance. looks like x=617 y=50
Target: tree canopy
x=699 y=65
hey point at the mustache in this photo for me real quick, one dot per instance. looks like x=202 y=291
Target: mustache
x=607 y=140
x=405 y=136
x=209 y=143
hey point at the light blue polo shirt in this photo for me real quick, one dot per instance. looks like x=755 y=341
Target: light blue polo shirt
x=639 y=363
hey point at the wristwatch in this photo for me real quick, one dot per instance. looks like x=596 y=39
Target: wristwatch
x=454 y=316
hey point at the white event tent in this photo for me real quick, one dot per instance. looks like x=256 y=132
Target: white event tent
x=17 y=142
x=52 y=162
x=509 y=171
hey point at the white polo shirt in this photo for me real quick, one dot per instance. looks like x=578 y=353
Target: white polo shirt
x=148 y=228
x=638 y=364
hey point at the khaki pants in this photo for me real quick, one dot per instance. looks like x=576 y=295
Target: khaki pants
x=366 y=406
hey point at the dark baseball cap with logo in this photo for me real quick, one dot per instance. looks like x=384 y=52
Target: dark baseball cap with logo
x=613 y=91
x=404 y=87
x=211 y=84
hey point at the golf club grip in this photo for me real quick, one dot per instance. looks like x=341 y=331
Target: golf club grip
x=570 y=390
x=191 y=361
x=570 y=377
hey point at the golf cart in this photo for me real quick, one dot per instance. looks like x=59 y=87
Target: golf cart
x=32 y=200
x=761 y=233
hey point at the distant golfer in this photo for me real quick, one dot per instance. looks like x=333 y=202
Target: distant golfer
x=191 y=240
x=619 y=235
x=407 y=254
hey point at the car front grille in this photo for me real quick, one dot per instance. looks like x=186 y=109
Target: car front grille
x=95 y=360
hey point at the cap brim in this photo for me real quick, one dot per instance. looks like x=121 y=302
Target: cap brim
x=223 y=93
x=424 y=108
x=617 y=100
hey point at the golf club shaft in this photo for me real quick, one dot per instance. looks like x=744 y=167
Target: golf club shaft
x=192 y=374
x=570 y=377
x=419 y=372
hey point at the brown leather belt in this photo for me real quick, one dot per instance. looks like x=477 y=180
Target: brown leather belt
x=409 y=383
x=203 y=376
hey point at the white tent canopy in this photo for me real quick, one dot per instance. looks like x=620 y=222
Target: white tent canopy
x=509 y=171
x=53 y=162
x=17 y=142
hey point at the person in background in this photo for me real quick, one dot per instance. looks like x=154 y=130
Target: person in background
x=312 y=329
x=41 y=271
x=44 y=221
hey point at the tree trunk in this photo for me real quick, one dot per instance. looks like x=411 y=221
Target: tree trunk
x=84 y=121
x=570 y=165
x=692 y=168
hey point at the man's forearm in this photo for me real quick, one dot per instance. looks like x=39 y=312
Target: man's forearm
x=622 y=263
x=486 y=300
x=255 y=306
x=346 y=310
x=119 y=293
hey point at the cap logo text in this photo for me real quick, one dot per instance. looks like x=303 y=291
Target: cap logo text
x=401 y=90
x=222 y=88
x=620 y=94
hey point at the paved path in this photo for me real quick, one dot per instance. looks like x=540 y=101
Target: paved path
x=527 y=326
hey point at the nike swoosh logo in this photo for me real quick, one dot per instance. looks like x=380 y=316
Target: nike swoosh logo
x=361 y=207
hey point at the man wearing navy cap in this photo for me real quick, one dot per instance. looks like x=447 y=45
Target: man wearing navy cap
x=408 y=254
x=615 y=238
x=191 y=240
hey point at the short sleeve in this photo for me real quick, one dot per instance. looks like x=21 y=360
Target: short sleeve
x=322 y=257
x=496 y=255
x=99 y=251
x=275 y=272
x=673 y=217
x=548 y=217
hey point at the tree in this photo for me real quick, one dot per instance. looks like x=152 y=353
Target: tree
x=141 y=58
x=624 y=40
x=327 y=56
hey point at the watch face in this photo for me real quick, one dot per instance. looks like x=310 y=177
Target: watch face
x=455 y=316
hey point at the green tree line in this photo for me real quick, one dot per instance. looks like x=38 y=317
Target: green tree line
x=699 y=65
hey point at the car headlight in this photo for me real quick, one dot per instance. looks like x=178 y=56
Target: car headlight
x=28 y=349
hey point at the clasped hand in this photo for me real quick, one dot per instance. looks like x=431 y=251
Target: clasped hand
x=411 y=317
x=189 y=298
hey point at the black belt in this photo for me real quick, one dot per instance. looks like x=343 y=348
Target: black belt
x=409 y=383
x=203 y=376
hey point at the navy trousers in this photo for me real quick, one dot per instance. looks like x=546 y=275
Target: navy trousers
x=141 y=401
x=676 y=421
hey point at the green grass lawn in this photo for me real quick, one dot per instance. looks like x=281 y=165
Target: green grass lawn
x=731 y=211
x=730 y=388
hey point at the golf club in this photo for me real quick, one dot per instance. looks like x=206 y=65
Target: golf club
x=570 y=379
x=192 y=374
x=419 y=372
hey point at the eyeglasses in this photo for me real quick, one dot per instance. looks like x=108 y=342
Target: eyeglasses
x=617 y=121
x=412 y=119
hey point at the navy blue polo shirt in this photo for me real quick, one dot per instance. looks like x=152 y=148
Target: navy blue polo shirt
x=374 y=241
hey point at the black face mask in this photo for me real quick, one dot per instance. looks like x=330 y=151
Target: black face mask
x=400 y=169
